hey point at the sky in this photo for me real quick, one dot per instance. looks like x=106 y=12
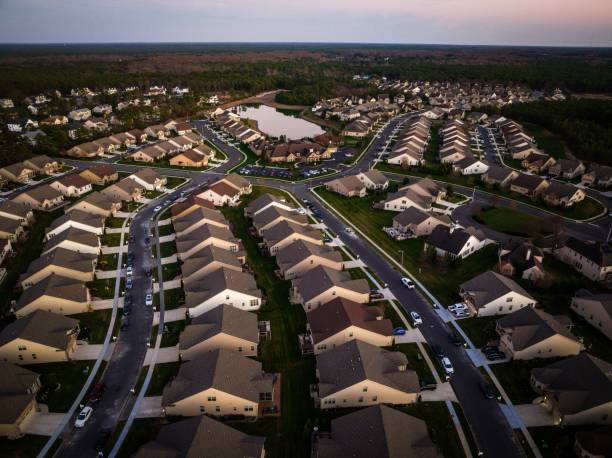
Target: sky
x=480 y=22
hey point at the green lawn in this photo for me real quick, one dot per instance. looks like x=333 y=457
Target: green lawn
x=170 y=271
x=162 y=373
x=154 y=194
x=411 y=350
x=173 y=298
x=27 y=446
x=479 y=329
x=25 y=253
x=172 y=332
x=514 y=377
x=556 y=442
x=108 y=261
x=130 y=206
x=102 y=288
x=174 y=182
x=61 y=382
x=114 y=222
x=441 y=279
x=513 y=222
x=165 y=230
x=95 y=324
x=111 y=239
x=167 y=249
x=219 y=155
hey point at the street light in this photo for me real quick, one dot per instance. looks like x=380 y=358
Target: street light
x=402 y=252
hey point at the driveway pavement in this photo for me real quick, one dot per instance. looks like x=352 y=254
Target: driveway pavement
x=150 y=407
x=534 y=415
x=43 y=423
x=88 y=352
x=443 y=392
x=164 y=355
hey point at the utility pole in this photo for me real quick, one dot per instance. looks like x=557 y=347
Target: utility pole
x=402 y=252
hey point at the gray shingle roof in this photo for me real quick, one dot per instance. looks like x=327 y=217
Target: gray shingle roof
x=42 y=327
x=489 y=286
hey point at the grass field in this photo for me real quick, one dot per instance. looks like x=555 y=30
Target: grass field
x=108 y=261
x=111 y=239
x=102 y=288
x=513 y=222
x=442 y=280
x=95 y=324
x=114 y=222
x=514 y=377
x=546 y=140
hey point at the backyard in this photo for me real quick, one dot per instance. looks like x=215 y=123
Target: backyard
x=513 y=222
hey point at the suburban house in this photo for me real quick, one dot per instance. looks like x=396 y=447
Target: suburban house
x=205 y=235
x=222 y=327
x=100 y=174
x=357 y=374
x=286 y=232
x=18 y=389
x=576 y=390
x=72 y=185
x=562 y=195
x=10 y=229
x=421 y=194
x=190 y=158
x=523 y=259
x=596 y=309
x=349 y=186
x=595 y=443
x=201 y=436
x=56 y=294
x=529 y=333
x=598 y=175
x=591 y=259
x=373 y=179
x=567 y=168
x=491 y=293
x=297 y=258
x=38 y=338
x=237 y=182
x=378 y=430
x=528 y=185
x=264 y=202
x=220 y=382
x=18 y=172
x=455 y=242
x=321 y=285
x=76 y=240
x=414 y=222
x=191 y=203
x=124 y=190
x=222 y=286
x=42 y=197
x=76 y=219
x=501 y=176
x=267 y=219
x=67 y=263
x=17 y=211
x=96 y=203
x=190 y=222
x=88 y=149
x=470 y=165
x=221 y=194
x=6 y=250
x=80 y=114
x=341 y=320
x=149 y=179
x=206 y=260
x=42 y=164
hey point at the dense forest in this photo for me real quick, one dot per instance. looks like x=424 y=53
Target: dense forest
x=584 y=124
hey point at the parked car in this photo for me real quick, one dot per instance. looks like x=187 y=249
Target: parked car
x=416 y=318
x=454 y=339
x=457 y=307
x=375 y=294
x=158 y=208
x=495 y=356
x=83 y=417
x=428 y=386
x=128 y=283
x=350 y=232
x=489 y=348
x=399 y=331
x=487 y=390
x=149 y=300
x=437 y=349
x=129 y=271
x=447 y=366
x=97 y=392
x=407 y=283
x=125 y=323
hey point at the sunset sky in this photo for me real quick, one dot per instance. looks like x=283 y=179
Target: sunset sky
x=517 y=22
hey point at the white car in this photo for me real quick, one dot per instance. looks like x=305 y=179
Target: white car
x=129 y=271
x=149 y=300
x=448 y=367
x=158 y=208
x=350 y=232
x=416 y=318
x=407 y=283
x=83 y=416
x=457 y=307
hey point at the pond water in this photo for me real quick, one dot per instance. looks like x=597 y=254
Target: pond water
x=275 y=123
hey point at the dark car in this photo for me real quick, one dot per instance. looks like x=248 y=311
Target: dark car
x=437 y=350
x=454 y=339
x=489 y=348
x=487 y=390
x=97 y=392
x=495 y=356
x=125 y=323
x=428 y=385
x=147 y=240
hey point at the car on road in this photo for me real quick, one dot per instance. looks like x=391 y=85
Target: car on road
x=495 y=356
x=407 y=283
x=350 y=232
x=158 y=208
x=168 y=202
x=437 y=349
x=128 y=283
x=149 y=299
x=416 y=318
x=129 y=271
x=489 y=348
x=147 y=240
x=83 y=417
x=487 y=390
x=399 y=331
x=447 y=366
x=454 y=339
x=97 y=392
x=125 y=323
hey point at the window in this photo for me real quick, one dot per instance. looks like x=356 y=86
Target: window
x=265 y=396
x=202 y=409
x=252 y=347
x=374 y=398
x=351 y=334
x=254 y=302
x=365 y=389
x=211 y=398
x=239 y=349
x=217 y=409
x=22 y=348
x=33 y=355
x=20 y=357
x=360 y=399
x=248 y=408
x=509 y=299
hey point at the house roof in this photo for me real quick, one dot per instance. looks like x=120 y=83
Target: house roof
x=61 y=257
x=184 y=242
x=73 y=179
x=75 y=235
x=222 y=370
x=102 y=170
x=604 y=300
x=191 y=203
x=285 y=229
x=273 y=213
x=529 y=182
x=207 y=256
x=489 y=286
x=235 y=180
x=13 y=406
x=16 y=168
x=223 y=189
x=54 y=286
x=147 y=175
x=414 y=215
x=262 y=201
x=530 y=327
x=356 y=361
x=376 y=176
x=201 y=437
x=9 y=225
x=320 y=279
x=218 y=281
x=340 y=314
x=452 y=241
x=300 y=250
x=42 y=327
x=15 y=208
x=579 y=382
x=15 y=379
x=78 y=216
x=42 y=160
x=222 y=319
x=42 y=193
x=184 y=222
x=98 y=200
x=560 y=190
x=377 y=431
x=350 y=183
x=599 y=253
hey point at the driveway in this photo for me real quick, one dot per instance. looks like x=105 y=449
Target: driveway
x=171 y=315
x=411 y=336
x=88 y=352
x=534 y=415
x=443 y=392
x=42 y=423
x=150 y=407
x=164 y=355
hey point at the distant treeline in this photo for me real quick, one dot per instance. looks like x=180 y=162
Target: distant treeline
x=584 y=124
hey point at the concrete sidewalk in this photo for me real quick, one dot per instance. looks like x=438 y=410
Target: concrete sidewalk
x=353 y=264
x=169 y=260
x=167 y=238
x=164 y=355
x=534 y=415
x=110 y=249
x=150 y=407
x=170 y=284
x=88 y=352
x=105 y=304
x=170 y=315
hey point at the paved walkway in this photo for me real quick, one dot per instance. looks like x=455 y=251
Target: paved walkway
x=150 y=407
x=411 y=336
x=164 y=355
x=103 y=274
x=443 y=392
x=113 y=230
x=534 y=415
x=170 y=284
x=335 y=242
x=354 y=263
x=110 y=249
x=167 y=238
x=170 y=315
x=104 y=304
x=164 y=222
x=43 y=423
x=169 y=260
x=479 y=359
x=88 y=352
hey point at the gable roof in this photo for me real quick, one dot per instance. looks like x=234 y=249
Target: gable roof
x=300 y=249
x=77 y=216
x=452 y=241
x=262 y=201
x=273 y=212
x=206 y=231
x=54 y=286
x=356 y=361
x=207 y=256
x=489 y=286
x=15 y=208
x=15 y=379
x=320 y=279
x=218 y=281
x=75 y=235
x=284 y=229
x=42 y=327
x=80 y=262
x=598 y=253
x=414 y=215
x=147 y=175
